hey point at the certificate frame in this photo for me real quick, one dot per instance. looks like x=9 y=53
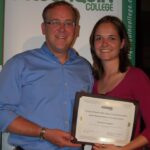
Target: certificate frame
x=96 y=120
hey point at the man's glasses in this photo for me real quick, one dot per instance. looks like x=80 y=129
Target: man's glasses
x=58 y=23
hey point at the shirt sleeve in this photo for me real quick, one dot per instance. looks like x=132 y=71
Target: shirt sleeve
x=141 y=93
x=9 y=93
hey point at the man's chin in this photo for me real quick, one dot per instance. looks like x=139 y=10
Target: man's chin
x=61 y=49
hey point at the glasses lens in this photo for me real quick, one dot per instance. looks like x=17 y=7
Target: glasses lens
x=57 y=23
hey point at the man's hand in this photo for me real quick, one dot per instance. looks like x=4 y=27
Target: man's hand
x=59 y=138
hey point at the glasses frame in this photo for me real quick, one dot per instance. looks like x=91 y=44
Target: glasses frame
x=58 y=23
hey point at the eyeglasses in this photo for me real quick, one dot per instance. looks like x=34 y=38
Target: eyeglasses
x=57 y=23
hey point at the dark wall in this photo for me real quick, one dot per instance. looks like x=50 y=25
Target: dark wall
x=143 y=40
x=143 y=35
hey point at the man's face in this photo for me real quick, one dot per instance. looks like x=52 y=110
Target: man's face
x=59 y=29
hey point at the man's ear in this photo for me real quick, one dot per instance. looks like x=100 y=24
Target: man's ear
x=43 y=28
x=77 y=30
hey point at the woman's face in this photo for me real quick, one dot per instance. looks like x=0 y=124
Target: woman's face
x=107 y=42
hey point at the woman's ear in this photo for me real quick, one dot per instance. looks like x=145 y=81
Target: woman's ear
x=123 y=43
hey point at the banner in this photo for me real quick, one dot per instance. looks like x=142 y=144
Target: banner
x=23 y=19
x=1 y=31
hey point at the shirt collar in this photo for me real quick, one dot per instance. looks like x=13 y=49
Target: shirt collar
x=72 y=53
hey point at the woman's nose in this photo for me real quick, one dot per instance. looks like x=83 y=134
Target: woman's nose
x=104 y=41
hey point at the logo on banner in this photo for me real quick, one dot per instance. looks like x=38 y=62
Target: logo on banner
x=97 y=5
x=92 y=5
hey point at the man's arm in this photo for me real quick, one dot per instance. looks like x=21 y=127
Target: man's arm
x=25 y=127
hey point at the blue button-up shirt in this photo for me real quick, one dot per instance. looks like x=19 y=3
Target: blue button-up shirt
x=36 y=86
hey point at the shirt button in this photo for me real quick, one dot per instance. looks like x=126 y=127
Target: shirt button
x=66 y=122
x=66 y=84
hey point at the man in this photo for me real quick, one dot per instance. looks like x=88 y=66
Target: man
x=38 y=87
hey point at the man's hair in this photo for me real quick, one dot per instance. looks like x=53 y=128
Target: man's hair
x=61 y=3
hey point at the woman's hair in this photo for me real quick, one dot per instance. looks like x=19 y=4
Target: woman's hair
x=61 y=3
x=124 y=61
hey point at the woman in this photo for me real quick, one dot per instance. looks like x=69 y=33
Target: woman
x=115 y=77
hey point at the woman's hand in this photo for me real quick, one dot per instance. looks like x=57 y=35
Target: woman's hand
x=105 y=147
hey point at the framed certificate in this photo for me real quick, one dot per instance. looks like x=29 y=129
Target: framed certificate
x=101 y=119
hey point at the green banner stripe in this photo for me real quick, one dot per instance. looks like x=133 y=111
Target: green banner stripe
x=129 y=19
x=1 y=30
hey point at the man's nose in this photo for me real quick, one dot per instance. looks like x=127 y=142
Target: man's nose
x=62 y=26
